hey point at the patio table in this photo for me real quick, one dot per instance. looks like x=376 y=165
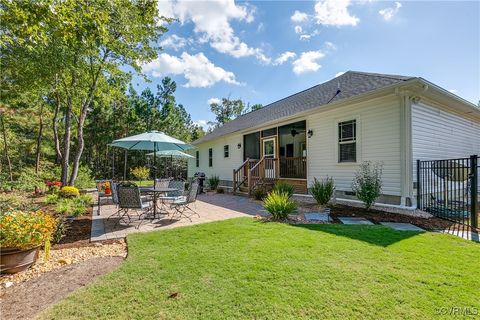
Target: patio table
x=155 y=192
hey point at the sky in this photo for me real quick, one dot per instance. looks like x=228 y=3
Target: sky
x=263 y=51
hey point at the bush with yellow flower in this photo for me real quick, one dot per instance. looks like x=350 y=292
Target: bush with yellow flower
x=69 y=192
x=26 y=230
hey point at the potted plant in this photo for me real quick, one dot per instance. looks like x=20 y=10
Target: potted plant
x=22 y=235
x=213 y=182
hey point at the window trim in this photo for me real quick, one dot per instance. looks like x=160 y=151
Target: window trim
x=226 y=151
x=197 y=159
x=210 y=157
x=357 y=140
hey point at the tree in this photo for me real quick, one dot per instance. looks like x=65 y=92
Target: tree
x=226 y=111
x=82 y=44
x=256 y=107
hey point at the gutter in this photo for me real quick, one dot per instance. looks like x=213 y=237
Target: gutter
x=426 y=86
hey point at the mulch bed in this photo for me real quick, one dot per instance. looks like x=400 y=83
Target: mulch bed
x=377 y=216
x=77 y=233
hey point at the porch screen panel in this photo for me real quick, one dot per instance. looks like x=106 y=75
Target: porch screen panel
x=251 y=146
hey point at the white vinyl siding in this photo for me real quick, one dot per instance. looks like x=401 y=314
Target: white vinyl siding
x=378 y=139
x=440 y=134
x=223 y=167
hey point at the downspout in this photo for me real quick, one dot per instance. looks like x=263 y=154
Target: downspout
x=406 y=155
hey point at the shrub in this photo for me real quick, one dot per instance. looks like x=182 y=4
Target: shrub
x=63 y=206
x=5 y=183
x=85 y=199
x=53 y=186
x=25 y=230
x=283 y=187
x=69 y=192
x=28 y=180
x=12 y=201
x=220 y=190
x=84 y=178
x=279 y=205
x=140 y=173
x=51 y=198
x=367 y=184
x=322 y=190
x=60 y=230
x=213 y=182
x=73 y=206
x=259 y=193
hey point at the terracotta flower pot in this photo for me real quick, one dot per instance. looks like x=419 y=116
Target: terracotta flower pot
x=13 y=260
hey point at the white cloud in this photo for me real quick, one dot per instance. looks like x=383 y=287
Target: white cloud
x=389 y=13
x=201 y=123
x=298 y=29
x=197 y=69
x=211 y=21
x=299 y=16
x=334 y=13
x=307 y=62
x=214 y=100
x=305 y=37
x=338 y=74
x=175 y=42
x=284 y=57
x=308 y=36
x=330 y=45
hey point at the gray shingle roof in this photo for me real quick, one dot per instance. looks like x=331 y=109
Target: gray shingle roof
x=351 y=83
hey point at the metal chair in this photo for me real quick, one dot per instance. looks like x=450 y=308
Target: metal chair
x=173 y=195
x=182 y=204
x=113 y=186
x=129 y=199
x=162 y=183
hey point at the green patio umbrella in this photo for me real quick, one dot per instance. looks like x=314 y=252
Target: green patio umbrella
x=151 y=141
x=171 y=154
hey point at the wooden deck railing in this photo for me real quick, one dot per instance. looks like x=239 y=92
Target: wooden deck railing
x=252 y=172
x=266 y=170
x=293 y=167
x=239 y=176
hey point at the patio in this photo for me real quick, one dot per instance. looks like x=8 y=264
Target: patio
x=210 y=207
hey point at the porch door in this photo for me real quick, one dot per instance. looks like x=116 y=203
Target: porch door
x=269 y=147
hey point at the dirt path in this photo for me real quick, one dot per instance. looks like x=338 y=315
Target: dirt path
x=25 y=300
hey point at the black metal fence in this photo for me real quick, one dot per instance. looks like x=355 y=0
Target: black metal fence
x=449 y=189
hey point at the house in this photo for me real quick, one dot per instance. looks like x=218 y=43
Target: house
x=329 y=129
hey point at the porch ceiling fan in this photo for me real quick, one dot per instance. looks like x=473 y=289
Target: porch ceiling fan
x=294 y=132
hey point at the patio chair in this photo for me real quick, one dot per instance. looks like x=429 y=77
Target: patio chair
x=182 y=204
x=162 y=183
x=113 y=186
x=177 y=194
x=129 y=199
x=173 y=195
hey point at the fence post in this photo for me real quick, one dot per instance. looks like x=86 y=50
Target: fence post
x=419 y=193
x=474 y=190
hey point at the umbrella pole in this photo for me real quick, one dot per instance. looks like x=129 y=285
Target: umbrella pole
x=125 y=166
x=113 y=163
x=154 y=167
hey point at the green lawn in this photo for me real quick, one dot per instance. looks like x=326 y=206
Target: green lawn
x=244 y=269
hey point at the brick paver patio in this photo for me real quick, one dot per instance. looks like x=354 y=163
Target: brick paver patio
x=210 y=207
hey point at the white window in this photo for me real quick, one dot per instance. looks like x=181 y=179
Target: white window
x=347 y=141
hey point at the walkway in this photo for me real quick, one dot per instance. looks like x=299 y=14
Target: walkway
x=211 y=207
